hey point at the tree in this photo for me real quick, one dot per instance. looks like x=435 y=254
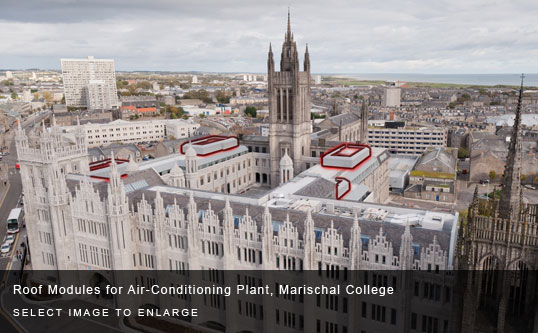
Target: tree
x=222 y=97
x=14 y=95
x=144 y=85
x=523 y=177
x=452 y=105
x=36 y=96
x=463 y=153
x=47 y=95
x=121 y=84
x=175 y=112
x=492 y=174
x=201 y=115
x=316 y=116
x=198 y=94
x=251 y=111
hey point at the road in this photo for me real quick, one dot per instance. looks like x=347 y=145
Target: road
x=10 y=199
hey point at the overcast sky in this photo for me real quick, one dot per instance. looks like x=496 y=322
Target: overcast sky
x=355 y=36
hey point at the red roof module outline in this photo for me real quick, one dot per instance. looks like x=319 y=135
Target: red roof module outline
x=339 y=180
x=210 y=139
x=101 y=164
x=346 y=149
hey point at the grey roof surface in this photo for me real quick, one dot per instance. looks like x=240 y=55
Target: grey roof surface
x=421 y=236
x=320 y=188
x=148 y=175
x=344 y=119
x=437 y=156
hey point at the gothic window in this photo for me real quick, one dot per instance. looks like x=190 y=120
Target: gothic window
x=278 y=106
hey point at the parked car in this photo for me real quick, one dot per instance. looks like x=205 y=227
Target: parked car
x=6 y=247
x=10 y=239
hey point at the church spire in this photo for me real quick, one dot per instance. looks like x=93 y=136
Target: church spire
x=510 y=202
x=364 y=123
x=306 y=60
x=288 y=33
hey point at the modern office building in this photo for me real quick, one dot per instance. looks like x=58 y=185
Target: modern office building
x=400 y=138
x=122 y=131
x=392 y=97
x=90 y=83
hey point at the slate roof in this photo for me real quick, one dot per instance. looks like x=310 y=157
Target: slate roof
x=344 y=119
x=342 y=224
x=437 y=156
x=320 y=188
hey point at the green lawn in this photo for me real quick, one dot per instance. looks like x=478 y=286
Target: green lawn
x=432 y=174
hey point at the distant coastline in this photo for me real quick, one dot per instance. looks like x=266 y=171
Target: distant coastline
x=531 y=80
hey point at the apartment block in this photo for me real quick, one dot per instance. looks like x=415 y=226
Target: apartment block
x=90 y=83
x=399 y=138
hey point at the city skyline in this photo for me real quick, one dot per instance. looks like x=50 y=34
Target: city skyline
x=368 y=38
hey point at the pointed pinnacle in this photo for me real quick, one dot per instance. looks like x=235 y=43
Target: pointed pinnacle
x=191 y=197
x=289 y=22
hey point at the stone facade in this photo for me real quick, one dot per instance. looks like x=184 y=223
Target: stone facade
x=289 y=107
x=497 y=256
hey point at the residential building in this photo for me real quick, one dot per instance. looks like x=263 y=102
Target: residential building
x=90 y=83
x=121 y=131
x=139 y=105
x=392 y=97
x=434 y=176
x=400 y=138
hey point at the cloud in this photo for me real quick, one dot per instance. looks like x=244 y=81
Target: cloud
x=485 y=36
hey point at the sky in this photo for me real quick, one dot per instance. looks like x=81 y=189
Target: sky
x=343 y=36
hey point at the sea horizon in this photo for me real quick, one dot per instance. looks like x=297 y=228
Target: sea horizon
x=514 y=79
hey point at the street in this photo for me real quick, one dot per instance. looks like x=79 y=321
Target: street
x=10 y=196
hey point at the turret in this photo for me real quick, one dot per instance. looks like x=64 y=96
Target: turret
x=307 y=60
x=267 y=239
x=193 y=238
x=364 y=123
x=191 y=168
x=309 y=238
x=176 y=177
x=270 y=62
x=406 y=250
x=21 y=139
x=229 y=229
x=286 y=169
x=356 y=244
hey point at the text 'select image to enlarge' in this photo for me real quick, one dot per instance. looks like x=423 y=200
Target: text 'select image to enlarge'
x=205 y=167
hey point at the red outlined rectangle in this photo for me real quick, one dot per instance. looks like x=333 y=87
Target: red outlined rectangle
x=209 y=140
x=337 y=194
x=346 y=149
x=101 y=164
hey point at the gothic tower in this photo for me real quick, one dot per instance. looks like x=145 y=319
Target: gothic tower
x=497 y=254
x=289 y=107
x=43 y=167
x=510 y=202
